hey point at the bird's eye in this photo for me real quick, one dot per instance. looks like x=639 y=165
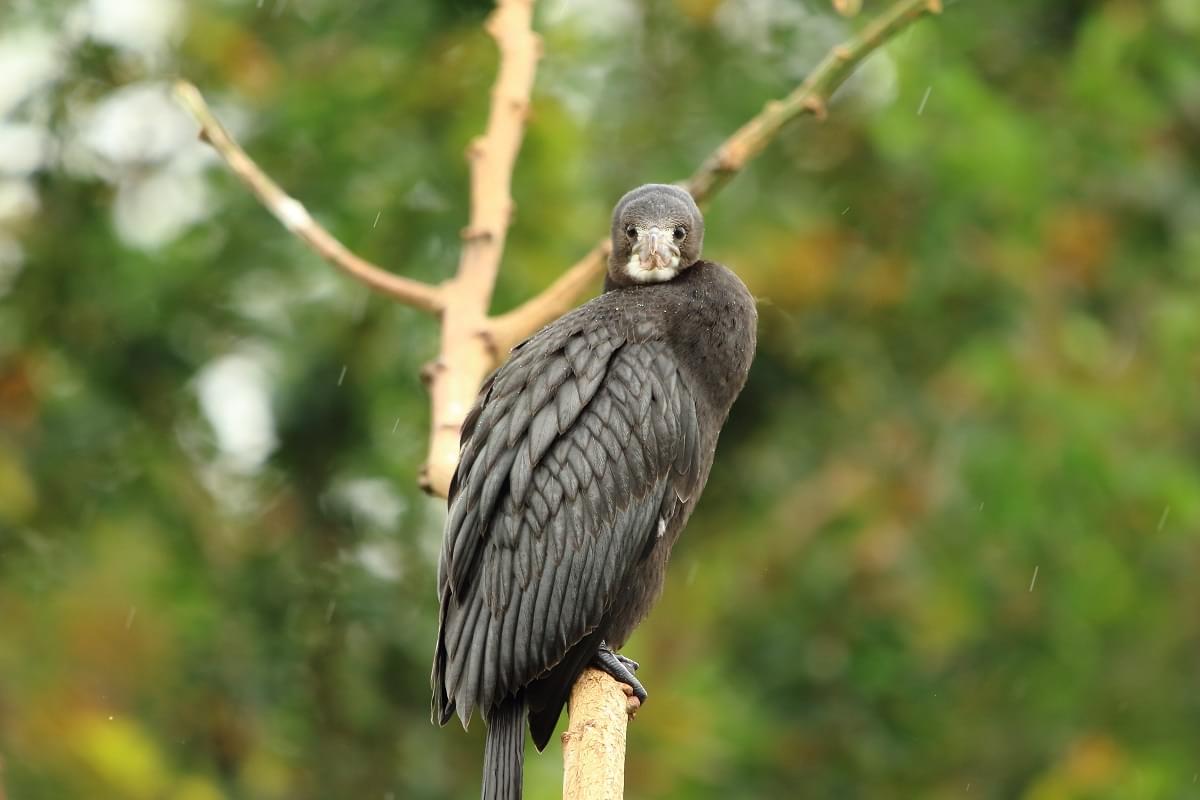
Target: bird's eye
x=680 y=232
x=631 y=232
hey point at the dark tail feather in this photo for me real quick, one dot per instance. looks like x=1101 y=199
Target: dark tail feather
x=504 y=754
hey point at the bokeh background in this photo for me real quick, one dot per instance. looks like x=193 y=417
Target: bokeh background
x=950 y=544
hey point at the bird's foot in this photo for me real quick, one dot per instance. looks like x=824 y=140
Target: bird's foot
x=620 y=668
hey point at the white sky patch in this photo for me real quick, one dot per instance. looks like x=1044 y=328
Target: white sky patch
x=619 y=17
x=18 y=200
x=381 y=559
x=235 y=397
x=152 y=211
x=23 y=148
x=144 y=27
x=136 y=124
x=752 y=23
x=371 y=501
x=137 y=138
x=789 y=37
x=29 y=60
x=579 y=83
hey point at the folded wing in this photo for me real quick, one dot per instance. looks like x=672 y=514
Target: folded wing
x=581 y=449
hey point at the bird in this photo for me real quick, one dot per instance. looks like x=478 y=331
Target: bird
x=580 y=463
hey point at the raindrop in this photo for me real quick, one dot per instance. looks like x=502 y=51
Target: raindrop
x=1163 y=519
x=342 y=377
x=130 y=616
x=924 y=100
x=376 y=222
x=1034 y=579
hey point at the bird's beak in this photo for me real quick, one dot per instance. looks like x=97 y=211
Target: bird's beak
x=656 y=249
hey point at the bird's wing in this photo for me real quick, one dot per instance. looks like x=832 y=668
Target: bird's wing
x=581 y=449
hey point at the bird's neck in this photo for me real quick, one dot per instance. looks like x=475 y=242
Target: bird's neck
x=709 y=319
x=714 y=330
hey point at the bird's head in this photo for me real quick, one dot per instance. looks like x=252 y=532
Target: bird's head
x=657 y=232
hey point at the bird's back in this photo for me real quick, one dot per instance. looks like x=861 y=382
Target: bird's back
x=581 y=461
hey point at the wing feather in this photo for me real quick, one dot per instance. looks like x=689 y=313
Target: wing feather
x=578 y=446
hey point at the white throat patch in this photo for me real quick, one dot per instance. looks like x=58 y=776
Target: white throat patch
x=640 y=274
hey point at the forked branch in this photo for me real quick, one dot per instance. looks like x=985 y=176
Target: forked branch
x=468 y=350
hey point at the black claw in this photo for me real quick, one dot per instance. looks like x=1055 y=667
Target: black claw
x=629 y=663
x=620 y=668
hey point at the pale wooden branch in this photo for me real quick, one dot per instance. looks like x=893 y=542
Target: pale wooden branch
x=847 y=8
x=468 y=351
x=809 y=97
x=295 y=216
x=594 y=742
x=727 y=160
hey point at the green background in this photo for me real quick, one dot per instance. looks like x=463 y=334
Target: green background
x=949 y=546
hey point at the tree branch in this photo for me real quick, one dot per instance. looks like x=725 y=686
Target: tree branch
x=729 y=159
x=295 y=216
x=594 y=742
x=468 y=351
x=809 y=97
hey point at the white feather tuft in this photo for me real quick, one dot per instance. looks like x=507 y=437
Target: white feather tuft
x=640 y=274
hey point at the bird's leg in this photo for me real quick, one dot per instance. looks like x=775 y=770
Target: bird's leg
x=620 y=668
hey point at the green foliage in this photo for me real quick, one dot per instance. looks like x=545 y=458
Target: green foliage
x=949 y=545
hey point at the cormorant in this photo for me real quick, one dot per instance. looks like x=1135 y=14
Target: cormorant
x=580 y=463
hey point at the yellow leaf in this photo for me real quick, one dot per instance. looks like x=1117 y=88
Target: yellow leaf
x=194 y=787
x=121 y=755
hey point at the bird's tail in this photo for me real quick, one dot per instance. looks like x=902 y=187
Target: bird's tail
x=504 y=754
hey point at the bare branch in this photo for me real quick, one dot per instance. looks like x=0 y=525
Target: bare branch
x=555 y=300
x=467 y=351
x=726 y=161
x=809 y=97
x=296 y=218
x=847 y=8
x=594 y=742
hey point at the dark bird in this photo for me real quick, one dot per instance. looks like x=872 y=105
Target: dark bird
x=580 y=464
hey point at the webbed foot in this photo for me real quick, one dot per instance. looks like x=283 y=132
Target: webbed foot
x=620 y=668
